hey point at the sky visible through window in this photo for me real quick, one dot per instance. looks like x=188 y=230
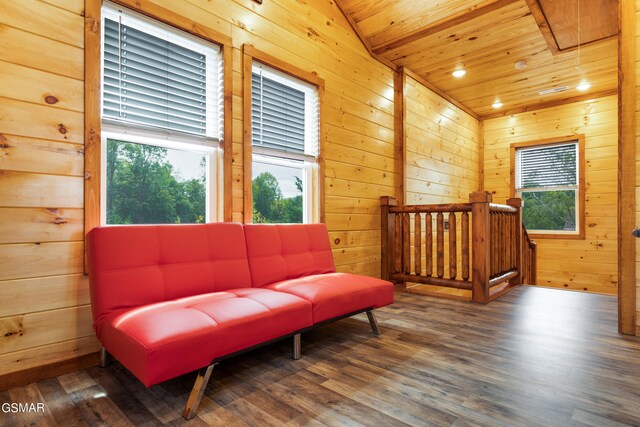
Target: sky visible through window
x=285 y=176
x=183 y=163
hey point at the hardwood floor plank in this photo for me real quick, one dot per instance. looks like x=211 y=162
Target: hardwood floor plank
x=7 y=419
x=30 y=395
x=98 y=409
x=534 y=357
x=60 y=404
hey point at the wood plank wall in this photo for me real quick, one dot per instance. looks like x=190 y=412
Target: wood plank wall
x=441 y=149
x=585 y=265
x=637 y=166
x=44 y=311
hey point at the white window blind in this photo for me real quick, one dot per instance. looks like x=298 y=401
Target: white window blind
x=547 y=166
x=285 y=112
x=154 y=77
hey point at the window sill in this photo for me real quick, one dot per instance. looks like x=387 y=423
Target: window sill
x=540 y=236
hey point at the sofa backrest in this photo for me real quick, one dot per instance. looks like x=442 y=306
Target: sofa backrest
x=134 y=265
x=280 y=252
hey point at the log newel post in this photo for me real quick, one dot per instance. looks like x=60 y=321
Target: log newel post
x=534 y=264
x=481 y=245
x=516 y=203
x=388 y=231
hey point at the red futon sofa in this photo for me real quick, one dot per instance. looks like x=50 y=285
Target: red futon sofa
x=171 y=299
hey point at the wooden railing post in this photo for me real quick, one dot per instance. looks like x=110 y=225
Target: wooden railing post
x=516 y=203
x=481 y=245
x=534 y=264
x=388 y=231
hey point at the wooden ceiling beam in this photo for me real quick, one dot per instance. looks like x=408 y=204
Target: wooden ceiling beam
x=543 y=24
x=441 y=25
x=363 y=39
x=552 y=103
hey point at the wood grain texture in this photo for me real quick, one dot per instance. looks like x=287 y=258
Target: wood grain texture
x=598 y=20
x=637 y=209
x=627 y=130
x=421 y=368
x=43 y=294
x=442 y=155
x=561 y=262
x=487 y=37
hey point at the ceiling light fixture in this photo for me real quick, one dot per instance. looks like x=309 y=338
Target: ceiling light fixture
x=459 y=73
x=584 y=85
x=497 y=104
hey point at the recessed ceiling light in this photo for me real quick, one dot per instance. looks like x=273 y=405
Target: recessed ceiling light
x=584 y=85
x=459 y=73
x=497 y=104
x=521 y=65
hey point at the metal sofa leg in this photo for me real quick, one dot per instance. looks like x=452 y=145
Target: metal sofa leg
x=373 y=321
x=104 y=358
x=297 y=347
x=193 y=402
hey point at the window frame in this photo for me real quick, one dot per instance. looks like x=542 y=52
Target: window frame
x=579 y=234
x=213 y=210
x=314 y=202
x=93 y=102
x=207 y=144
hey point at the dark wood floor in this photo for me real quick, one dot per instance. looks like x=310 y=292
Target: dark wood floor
x=534 y=357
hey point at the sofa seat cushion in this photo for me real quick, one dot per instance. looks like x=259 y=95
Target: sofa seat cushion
x=160 y=341
x=337 y=294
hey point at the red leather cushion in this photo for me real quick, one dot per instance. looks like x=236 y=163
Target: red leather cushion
x=281 y=252
x=135 y=265
x=337 y=294
x=161 y=341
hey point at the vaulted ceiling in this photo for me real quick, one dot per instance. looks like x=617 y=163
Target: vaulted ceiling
x=487 y=38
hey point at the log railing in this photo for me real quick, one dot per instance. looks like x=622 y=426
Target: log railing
x=474 y=246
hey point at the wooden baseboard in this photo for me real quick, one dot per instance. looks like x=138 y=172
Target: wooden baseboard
x=39 y=373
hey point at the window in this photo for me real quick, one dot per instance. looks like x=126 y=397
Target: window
x=162 y=122
x=549 y=179
x=285 y=138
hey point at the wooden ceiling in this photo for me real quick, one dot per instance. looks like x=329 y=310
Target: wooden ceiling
x=434 y=37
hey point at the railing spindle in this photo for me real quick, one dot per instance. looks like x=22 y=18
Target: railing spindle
x=440 y=244
x=406 y=243
x=494 y=245
x=417 y=243
x=453 y=257
x=428 y=222
x=503 y=242
x=465 y=246
x=397 y=244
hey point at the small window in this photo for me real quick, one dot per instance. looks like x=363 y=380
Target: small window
x=285 y=124
x=548 y=179
x=162 y=126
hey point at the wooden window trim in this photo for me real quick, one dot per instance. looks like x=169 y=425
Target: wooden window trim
x=581 y=182
x=92 y=119
x=249 y=53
